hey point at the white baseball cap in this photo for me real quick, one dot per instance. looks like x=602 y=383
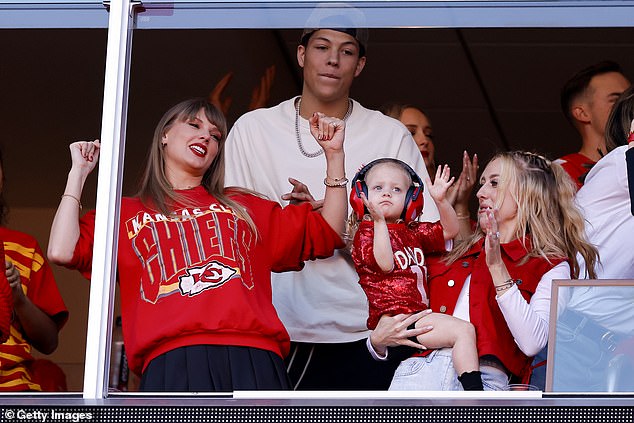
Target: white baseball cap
x=338 y=17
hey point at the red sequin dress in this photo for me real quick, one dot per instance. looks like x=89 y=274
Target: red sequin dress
x=404 y=290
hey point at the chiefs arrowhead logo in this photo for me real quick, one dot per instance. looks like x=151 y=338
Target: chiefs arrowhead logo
x=198 y=279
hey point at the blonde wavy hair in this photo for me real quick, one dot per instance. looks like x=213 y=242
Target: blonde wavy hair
x=156 y=192
x=546 y=211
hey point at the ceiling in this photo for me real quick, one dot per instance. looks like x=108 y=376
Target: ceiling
x=484 y=89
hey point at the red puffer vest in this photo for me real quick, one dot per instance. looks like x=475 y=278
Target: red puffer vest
x=493 y=335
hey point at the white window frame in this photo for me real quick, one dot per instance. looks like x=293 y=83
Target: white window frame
x=241 y=14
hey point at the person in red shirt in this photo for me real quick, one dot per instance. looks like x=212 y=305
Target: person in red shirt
x=586 y=101
x=33 y=302
x=529 y=232
x=195 y=259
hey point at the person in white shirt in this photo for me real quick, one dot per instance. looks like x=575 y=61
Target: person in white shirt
x=598 y=320
x=270 y=151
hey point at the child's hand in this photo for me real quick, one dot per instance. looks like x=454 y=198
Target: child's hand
x=328 y=131
x=438 y=190
x=375 y=213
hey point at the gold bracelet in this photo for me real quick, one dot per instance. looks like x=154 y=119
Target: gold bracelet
x=507 y=284
x=74 y=198
x=336 y=182
x=462 y=215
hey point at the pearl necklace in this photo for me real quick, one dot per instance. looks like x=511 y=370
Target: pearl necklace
x=299 y=137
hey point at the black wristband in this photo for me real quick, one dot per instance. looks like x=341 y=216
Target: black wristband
x=629 y=161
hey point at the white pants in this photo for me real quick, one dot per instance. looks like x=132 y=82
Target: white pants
x=435 y=372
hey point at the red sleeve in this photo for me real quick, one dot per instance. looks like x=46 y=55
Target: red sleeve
x=82 y=257
x=576 y=166
x=431 y=237
x=6 y=304
x=37 y=275
x=43 y=291
x=293 y=234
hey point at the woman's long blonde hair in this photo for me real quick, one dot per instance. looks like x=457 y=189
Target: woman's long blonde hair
x=546 y=211
x=155 y=190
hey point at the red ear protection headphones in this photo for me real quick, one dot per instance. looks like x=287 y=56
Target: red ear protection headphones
x=413 y=199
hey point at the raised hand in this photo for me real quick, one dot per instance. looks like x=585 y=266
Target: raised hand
x=262 y=93
x=84 y=155
x=301 y=194
x=37 y=326
x=375 y=213
x=492 y=240
x=15 y=281
x=328 y=131
x=215 y=96
x=442 y=182
x=460 y=192
x=259 y=96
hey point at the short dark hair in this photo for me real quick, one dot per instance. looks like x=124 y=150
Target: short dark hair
x=359 y=34
x=580 y=81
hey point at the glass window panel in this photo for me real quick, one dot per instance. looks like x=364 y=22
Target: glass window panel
x=61 y=71
x=453 y=14
x=52 y=94
x=522 y=70
x=593 y=348
x=53 y=14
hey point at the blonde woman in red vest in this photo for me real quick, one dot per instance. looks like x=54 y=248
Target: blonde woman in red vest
x=529 y=232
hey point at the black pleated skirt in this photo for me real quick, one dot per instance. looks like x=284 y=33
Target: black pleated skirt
x=215 y=368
